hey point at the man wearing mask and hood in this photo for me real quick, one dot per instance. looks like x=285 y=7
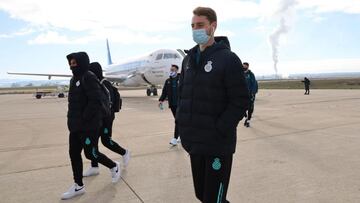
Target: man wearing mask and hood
x=105 y=131
x=170 y=92
x=213 y=97
x=84 y=121
x=253 y=89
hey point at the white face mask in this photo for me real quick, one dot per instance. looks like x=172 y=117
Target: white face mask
x=172 y=74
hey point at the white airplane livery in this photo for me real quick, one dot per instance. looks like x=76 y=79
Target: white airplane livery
x=150 y=70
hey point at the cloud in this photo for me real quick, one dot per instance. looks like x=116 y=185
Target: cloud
x=50 y=37
x=324 y=6
x=140 y=15
x=22 y=32
x=53 y=37
x=142 y=20
x=139 y=19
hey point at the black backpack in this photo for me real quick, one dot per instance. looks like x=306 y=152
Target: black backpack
x=116 y=101
x=106 y=102
x=105 y=99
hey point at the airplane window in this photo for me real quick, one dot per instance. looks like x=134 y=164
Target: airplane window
x=167 y=56
x=159 y=56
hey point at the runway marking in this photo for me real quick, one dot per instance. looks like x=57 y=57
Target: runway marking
x=324 y=101
x=137 y=195
x=112 y=158
x=296 y=132
x=32 y=118
x=11 y=149
x=45 y=146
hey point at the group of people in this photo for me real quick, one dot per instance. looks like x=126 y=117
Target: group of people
x=213 y=92
x=87 y=122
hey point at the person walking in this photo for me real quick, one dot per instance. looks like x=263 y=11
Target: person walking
x=253 y=89
x=105 y=132
x=213 y=99
x=84 y=119
x=306 y=82
x=170 y=92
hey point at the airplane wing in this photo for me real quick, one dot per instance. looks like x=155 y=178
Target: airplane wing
x=117 y=79
x=42 y=74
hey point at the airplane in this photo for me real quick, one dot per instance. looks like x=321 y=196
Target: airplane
x=149 y=70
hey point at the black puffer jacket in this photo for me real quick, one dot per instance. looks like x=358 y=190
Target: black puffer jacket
x=213 y=99
x=96 y=68
x=168 y=91
x=84 y=108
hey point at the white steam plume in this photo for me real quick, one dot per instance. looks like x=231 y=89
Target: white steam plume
x=285 y=12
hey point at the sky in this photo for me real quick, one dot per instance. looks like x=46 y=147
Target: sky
x=303 y=36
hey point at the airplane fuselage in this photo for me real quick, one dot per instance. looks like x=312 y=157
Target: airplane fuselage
x=152 y=69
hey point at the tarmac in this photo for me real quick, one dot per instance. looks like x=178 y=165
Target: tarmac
x=299 y=148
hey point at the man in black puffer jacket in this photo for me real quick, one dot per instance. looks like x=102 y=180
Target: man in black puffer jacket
x=213 y=99
x=170 y=92
x=84 y=120
x=105 y=131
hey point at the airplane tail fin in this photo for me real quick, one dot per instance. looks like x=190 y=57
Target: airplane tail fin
x=108 y=52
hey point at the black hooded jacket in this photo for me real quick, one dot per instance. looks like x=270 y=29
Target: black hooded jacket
x=213 y=99
x=84 y=107
x=168 y=91
x=96 y=68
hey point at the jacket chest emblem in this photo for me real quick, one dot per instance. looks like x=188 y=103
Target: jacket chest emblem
x=77 y=83
x=208 y=67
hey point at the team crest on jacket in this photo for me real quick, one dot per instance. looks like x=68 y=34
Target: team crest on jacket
x=78 y=83
x=208 y=66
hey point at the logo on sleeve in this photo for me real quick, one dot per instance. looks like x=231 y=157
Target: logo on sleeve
x=208 y=66
x=78 y=83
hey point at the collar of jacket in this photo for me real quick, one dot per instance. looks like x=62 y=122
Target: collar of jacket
x=204 y=54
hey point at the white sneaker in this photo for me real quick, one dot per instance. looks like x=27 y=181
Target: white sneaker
x=173 y=142
x=73 y=191
x=92 y=171
x=115 y=172
x=178 y=140
x=126 y=158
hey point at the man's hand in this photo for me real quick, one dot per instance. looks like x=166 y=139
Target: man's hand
x=252 y=97
x=161 y=105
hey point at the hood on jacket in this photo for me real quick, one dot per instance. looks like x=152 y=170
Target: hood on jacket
x=82 y=60
x=95 y=67
x=223 y=40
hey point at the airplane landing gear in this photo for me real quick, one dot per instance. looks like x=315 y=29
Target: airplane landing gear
x=151 y=90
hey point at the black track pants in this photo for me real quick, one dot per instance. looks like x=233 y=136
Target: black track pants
x=176 y=131
x=106 y=134
x=89 y=142
x=211 y=175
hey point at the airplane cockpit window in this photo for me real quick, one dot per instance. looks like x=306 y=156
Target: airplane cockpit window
x=167 y=56
x=170 y=56
x=159 y=56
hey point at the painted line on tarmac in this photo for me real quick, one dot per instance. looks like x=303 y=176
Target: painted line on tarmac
x=170 y=150
x=24 y=148
x=296 y=132
x=137 y=195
